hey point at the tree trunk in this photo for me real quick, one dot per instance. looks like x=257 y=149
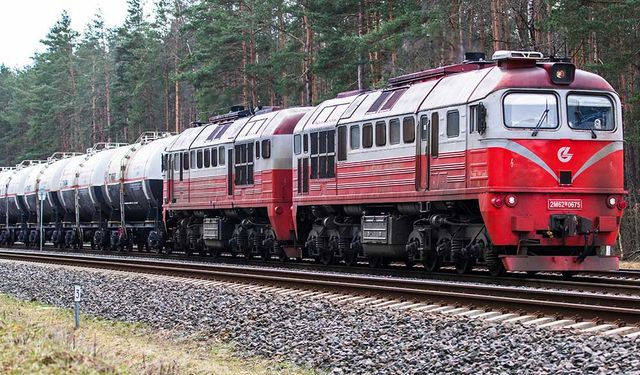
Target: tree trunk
x=361 y=11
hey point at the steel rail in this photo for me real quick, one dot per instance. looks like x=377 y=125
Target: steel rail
x=608 y=307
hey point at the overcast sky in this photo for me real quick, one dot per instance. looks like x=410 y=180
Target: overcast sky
x=23 y=23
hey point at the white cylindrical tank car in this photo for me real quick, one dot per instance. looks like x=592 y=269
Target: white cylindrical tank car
x=15 y=207
x=133 y=189
x=110 y=196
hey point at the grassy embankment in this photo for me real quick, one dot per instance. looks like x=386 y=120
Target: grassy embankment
x=39 y=339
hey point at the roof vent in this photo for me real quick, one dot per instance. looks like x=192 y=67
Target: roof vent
x=519 y=55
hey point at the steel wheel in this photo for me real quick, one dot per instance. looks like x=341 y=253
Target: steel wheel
x=350 y=258
x=464 y=265
x=494 y=263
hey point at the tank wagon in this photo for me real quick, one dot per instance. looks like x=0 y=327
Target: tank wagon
x=109 y=197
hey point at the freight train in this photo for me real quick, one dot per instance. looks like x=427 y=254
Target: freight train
x=513 y=163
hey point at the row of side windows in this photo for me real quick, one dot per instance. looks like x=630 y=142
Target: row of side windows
x=244 y=157
x=195 y=159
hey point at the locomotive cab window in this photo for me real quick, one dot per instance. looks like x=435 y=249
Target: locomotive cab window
x=192 y=160
x=176 y=162
x=342 y=143
x=531 y=110
x=257 y=149
x=185 y=160
x=590 y=112
x=453 y=124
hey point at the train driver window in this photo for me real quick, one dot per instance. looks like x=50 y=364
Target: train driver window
x=453 y=124
x=408 y=130
x=435 y=134
x=176 y=162
x=207 y=158
x=221 y=156
x=199 y=159
x=424 y=127
x=354 y=136
x=394 y=131
x=305 y=143
x=381 y=133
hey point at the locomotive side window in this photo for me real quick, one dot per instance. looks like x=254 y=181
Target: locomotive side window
x=199 y=159
x=342 y=143
x=257 y=149
x=176 y=162
x=394 y=131
x=207 y=157
x=266 y=149
x=305 y=143
x=244 y=164
x=591 y=112
x=323 y=154
x=453 y=124
x=473 y=114
x=192 y=160
x=381 y=133
x=435 y=131
x=214 y=157
x=221 y=156
x=185 y=159
x=408 y=130
x=424 y=127
x=354 y=137
x=297 y=144
x=367 y=135
x=531 y=111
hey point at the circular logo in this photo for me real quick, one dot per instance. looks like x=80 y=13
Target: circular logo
x=564 y=154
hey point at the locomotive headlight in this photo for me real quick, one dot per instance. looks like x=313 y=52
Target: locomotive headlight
x=497 y=202
x=612 y=201
x=511 y=200
x=562 y=73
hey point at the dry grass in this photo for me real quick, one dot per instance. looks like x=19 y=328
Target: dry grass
x=37 y=339
x=630 y=265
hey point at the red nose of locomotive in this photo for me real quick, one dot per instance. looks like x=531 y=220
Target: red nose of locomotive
x=556 y=194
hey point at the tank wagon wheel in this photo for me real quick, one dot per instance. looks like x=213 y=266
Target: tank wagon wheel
x=375 y=261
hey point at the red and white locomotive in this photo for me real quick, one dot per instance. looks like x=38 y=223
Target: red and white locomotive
x=515 y=163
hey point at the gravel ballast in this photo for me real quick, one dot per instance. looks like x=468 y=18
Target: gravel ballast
x=337 y=338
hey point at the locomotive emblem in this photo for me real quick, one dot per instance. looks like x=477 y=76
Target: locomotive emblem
x=564 y=154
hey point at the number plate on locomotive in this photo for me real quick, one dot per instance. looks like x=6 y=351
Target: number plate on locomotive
x=564 y=204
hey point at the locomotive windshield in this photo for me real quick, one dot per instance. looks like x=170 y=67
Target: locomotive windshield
x=591 y=112
x=531 y=111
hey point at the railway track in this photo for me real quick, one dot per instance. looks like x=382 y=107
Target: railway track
x=622 y=308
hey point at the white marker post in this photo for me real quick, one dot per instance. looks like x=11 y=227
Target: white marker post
x=77 y=294
x=42 y=195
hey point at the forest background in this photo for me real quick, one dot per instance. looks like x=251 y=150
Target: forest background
x=194 y=58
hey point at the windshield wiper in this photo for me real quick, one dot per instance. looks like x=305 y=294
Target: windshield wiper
x=593 y=133
x=539 y=124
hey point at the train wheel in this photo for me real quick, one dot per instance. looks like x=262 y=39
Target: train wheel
x=265 y=254
x=248 y=253
x=568 y=275
x=326 y=257
x=375 y=261
x=494 y=263
x=464 y=265
x=282 y=255
x=350 y=258
x=214 y=253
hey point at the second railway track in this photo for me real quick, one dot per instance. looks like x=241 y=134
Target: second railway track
x=622 y=308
